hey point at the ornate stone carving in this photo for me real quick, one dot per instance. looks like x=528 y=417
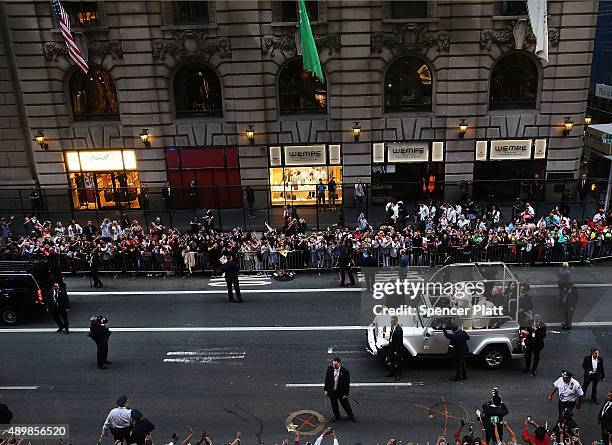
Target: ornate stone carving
x=329 y=41
x=189 y=42
x=111 y=48
x=410 y=37
x=53 y=50
x=284 y=43
x=518 y=34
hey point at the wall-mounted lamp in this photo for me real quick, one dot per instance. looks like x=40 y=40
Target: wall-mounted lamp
x=144 y=137
x=587 y=120
x=462 y=128
x=250 y=134
x=40 y=140
x=567 y=126
x=356 y=131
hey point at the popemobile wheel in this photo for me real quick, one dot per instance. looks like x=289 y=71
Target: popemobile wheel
x=9 y=315
x=494 y=356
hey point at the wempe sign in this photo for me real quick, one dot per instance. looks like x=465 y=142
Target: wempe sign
x=305 y=155
x=510 y=149
x=408 y=152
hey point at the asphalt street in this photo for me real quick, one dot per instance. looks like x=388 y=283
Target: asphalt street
x=235 y=377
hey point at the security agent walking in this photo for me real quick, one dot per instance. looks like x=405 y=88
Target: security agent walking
x=337 y=386
x=397 y=350
x=344 y=263
x=604 y=419
x=534 y=343
x=59 y=305
x=570 y=392
x=99 y=333
x=231 y=270
x=118 y=422
x=564 y=280
x=594 y=373
x=570 y=301
x=458 y=348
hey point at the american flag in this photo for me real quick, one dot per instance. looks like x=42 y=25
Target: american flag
x=64 y=23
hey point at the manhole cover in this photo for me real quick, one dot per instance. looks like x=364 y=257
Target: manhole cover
x=306 y=421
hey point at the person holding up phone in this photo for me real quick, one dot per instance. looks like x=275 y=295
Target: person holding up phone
x=327 y=432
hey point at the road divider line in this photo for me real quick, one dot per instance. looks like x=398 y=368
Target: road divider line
x=217 y=292
x=196 y=329
x=356 y=385
x=18 y=388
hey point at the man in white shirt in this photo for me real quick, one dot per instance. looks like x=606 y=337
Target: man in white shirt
x=570 y=391
x=327 y=432
x=118 y=422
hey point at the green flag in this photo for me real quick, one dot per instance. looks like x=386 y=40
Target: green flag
x=310 y=55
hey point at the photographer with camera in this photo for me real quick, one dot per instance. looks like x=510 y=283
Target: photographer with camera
x=493 y=413
x=327 y=432
x=100 y=334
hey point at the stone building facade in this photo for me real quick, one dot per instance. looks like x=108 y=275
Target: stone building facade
x=142 y=45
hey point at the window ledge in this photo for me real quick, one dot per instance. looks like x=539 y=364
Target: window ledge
x=400 y=114
x=189 y=27
x=83 y=30
x=295 y=24
x=514 y=112
x=88 y=123
x=303 y=117
x=413 y=20
x=508 y=17
x=198 y=120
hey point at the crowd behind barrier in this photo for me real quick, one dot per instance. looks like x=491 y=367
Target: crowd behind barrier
x=428 y=236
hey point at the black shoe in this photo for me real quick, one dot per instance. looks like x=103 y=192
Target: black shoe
x=354 y=419
x=533 y=374
x=335 y=419
x=108 y=362
x=60 y=330
x=67 y=331
x=102 y=367
x=398 y=377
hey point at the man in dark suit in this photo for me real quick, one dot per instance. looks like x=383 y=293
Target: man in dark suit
x=396 y=349
x=337 y=386
x=570 y=301
x=369 y=264
x=344 y=263
x=583 y=188
x=534 y=343
x=458 y=348
x=604 y=419
x=593 y=373
x=231 y=269
x=99 y=333
x=58 y=304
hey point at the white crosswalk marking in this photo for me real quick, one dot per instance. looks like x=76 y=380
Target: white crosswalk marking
x=390 y=275
x=244 y=280
x=207 y=356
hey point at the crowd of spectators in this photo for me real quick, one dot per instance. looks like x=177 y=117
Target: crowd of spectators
x=428 y=235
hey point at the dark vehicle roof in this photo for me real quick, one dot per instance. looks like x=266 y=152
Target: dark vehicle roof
x=40 y=270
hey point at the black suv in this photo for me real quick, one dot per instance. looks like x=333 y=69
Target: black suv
x=21 y=290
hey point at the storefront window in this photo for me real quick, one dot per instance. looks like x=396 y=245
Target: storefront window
x=197 y=92
x=103 y=179
x=514 y=83
x=93 y=95
x=297 y=185
x=190 y=12
x=408 y=86
x=408 y=9
x=301 y=92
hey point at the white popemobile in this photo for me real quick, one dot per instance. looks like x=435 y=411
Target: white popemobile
x=484 y=301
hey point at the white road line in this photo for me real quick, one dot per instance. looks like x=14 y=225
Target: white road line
x=219 y=292
x=197 y=329
x=18 y=388
x=356 y=385
x=199 y=360
x=578 y=285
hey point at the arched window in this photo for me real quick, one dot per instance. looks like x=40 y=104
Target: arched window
x=300 y=92
x=197 y=92
x=93 y=95
x=408 y=86
x=514 y=83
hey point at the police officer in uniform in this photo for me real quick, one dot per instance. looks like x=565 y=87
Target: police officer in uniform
x=395 y=359
x=99 y=333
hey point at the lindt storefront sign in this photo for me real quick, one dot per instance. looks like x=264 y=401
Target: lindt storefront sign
x=510 y=149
